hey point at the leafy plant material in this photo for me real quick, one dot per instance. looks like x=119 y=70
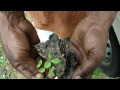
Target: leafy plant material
x=47 y=64
x=49 y=56
x=56 y=61
x=1 y=57
x=42 y=70
x=39 y=64
x=51 y=71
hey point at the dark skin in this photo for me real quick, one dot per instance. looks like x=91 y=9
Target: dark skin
x=18 y=43
x=88 y=42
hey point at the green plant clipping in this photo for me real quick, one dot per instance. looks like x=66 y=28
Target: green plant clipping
x=47 y=64
x=51 y=71
x=56 y=61
x=42 y=70
x=39 y=64
x=49 y=56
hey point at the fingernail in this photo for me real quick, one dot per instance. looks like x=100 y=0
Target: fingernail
x=38 y=76
x=78 y=77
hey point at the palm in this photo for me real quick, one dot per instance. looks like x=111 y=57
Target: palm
x=89 y=46
x=18 y=41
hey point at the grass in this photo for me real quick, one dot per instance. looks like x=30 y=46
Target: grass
x=6 y=70
x=98 y=74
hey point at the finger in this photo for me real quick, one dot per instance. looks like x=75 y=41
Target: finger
x=32 y=35
x=28 y=62
x=35 y=54
x=28 y=74
x=85 y=70
x=29 y=30
x=28 y=69
x=78 y=51
x=20 y=68
x=89 y=64
x=78 y=77
x=37 y=76
x=77 y=54
x=50 y=77
x=31 y=66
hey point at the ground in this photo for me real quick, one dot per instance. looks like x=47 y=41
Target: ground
x=6 y=70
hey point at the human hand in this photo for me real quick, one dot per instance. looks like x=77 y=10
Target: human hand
x=89 y=41
x=19 y=37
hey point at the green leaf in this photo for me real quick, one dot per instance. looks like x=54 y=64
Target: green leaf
x=1 y=57
x=39 y=64
x=42 y=70
x=51 y=71
x=56 y=61
x=49 y=56
x=47 y=64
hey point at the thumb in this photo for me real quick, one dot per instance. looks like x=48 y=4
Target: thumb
x=85 y=70
x=29 y=30
x=31 y=33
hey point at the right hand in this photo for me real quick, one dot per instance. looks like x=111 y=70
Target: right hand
x=89 y=42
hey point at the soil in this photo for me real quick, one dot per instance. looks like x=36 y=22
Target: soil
x=58 y=47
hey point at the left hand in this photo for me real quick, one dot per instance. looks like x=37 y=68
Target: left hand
x=19 y=37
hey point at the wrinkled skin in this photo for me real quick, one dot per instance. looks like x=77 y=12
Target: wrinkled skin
x=18 y=37
x=88 y=42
